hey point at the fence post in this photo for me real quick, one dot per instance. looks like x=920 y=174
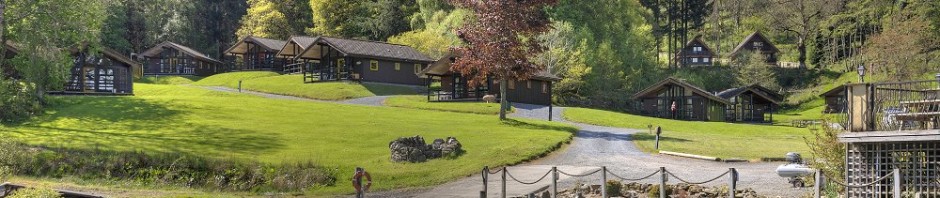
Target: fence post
x=554 y=182
x=897 y=183
x=662 y=182
x=503 y=195
x=486 y=181
x=733 y=185
x=604 y=182
x=239 y=86
x=817 y=187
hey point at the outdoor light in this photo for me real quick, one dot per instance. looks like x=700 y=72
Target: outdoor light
x=861 y=73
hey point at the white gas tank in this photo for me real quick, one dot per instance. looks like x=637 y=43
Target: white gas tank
x=794 y=170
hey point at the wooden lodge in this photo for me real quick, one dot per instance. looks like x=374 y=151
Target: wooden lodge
x=332 y=59
x=107 y=73
x=757 y=43
x=676 y=99
x=169 y=58
x=892 y=126
x=695 y=54
x=835 y=100
x=256 y=54
x=455 y=87
x=753 y=103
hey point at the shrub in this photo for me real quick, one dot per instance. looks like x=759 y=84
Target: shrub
x=613 y=188
x=17 y=101
x=38 y=192
x=163 y=168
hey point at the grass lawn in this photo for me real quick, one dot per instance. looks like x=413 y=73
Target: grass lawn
x=293 y=85
x=421 y=102
x=718 y=139
x=168 y=80
x=197 y=121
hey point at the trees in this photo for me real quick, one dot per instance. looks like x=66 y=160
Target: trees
x=500 y=41
x=263 y=19
x=752 y=68
x=335 y=18
x=801 y=18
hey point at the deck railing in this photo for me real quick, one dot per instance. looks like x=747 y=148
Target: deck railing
x=895 y=106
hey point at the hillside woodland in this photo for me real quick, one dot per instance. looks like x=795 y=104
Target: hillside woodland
x=603 y=53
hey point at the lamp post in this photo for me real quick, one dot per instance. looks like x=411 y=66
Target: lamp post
x=861 y=73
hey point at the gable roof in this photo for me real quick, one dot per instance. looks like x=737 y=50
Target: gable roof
x=371 y=49
x=697 y=39
x=675 y=81
x=837 y=91
x=303 y=42
x=154 y=52
x=442 y=67
x=761 y=91
x=270 y=45
x=750 y=38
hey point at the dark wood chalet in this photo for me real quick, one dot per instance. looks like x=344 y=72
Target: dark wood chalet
x=835 y=100
x=332 y=59
x=7 y=70
x=695 y=54
x=107 y=73
x=753 y=103
x=455 y=87
x=676 y=99
x=256 y=54
x=292 y=50
x=757 y=43
x=169 y=58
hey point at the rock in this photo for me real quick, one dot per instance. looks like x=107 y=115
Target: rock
x=489 y=98
x=546 y=194
x=414 y=149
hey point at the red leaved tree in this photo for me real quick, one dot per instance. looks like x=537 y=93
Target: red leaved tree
x=500 y=40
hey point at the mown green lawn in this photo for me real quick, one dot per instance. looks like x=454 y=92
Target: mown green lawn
x=293 y=85
x=168 y=80
x=718 y=139
x=198 y=121
x=421 y=102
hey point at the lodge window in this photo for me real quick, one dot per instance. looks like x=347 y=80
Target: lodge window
x=694 y=60
x=705 y=60
x=544 y=87
x=528 y=84
x=374 y=65
x=512 y=84
x=758 y=44
x=697 y=49
x=418 y=68
x=397 y=66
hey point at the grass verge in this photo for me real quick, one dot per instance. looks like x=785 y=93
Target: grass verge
x=195 y=121
x=718 y=139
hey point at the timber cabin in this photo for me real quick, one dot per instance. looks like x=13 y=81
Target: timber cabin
x=256 y=54
x=757 y=43
x=454 y=87
x=171 y=59
x=676 y=99
x=695 y=54
x=753 y=103
x=107 y=73
x=835 y=100
x=892 y=126
x=336 y=59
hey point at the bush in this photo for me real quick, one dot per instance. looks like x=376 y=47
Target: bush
x=613 y=188
x=35 y=193
x=163 y=169
x=17 y=101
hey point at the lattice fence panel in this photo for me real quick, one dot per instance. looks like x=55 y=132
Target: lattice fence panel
x=919 y=164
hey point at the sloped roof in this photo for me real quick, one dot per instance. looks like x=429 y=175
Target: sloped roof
x=749 y=38
x=697 y=39
x=839 y=90
x=271 y=45
x=674 y=81
x=303 y=42
x=442 y=67
x=754 y=88
x=154 y=51
x=375 y=49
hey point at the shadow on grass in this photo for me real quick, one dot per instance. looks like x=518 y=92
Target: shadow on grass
x=127 y=123
x=530 y=125
x=651 y=137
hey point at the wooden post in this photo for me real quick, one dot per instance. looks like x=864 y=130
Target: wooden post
x=817 y=188
x=550 y=99
x=662 y=182
x=554 y=182
x=897 y=183
x=659 y=130
x=486 y=181
x=504 y=183
x=733 y=184
x=604 y=182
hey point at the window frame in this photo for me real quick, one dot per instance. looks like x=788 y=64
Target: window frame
x=397 y=66
x=418 y=68
x=373 y=65
x=694 y=60
x=511 y=84
x=544 y=87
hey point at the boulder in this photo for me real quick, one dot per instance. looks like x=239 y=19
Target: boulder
x=414 y=149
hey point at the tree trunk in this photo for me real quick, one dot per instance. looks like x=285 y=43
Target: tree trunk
x=503 y=103
x=801 y=47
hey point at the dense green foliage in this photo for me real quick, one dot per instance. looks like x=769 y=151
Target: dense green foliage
x=17 y=101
